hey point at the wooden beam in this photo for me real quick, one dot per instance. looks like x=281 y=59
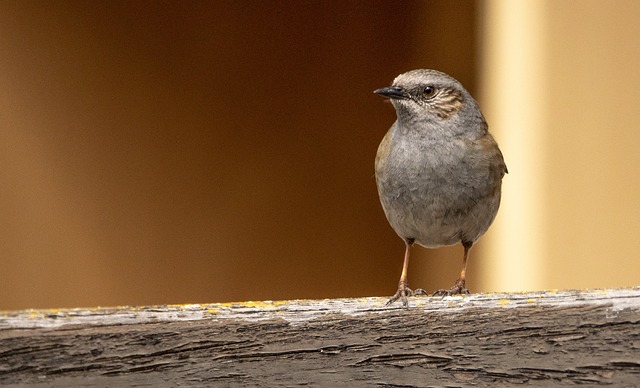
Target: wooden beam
x=549 y=338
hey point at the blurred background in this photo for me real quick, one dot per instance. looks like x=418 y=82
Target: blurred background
x=190 y=152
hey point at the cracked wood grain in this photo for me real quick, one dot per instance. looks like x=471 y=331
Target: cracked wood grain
x=542 y=339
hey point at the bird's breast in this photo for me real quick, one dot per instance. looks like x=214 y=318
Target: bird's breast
x=429 y=189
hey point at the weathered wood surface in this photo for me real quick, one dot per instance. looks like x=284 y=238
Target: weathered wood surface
x=542 y=339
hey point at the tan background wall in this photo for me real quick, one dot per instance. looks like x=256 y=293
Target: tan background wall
x=171 y=153
x=561 y=87
x=594 y=190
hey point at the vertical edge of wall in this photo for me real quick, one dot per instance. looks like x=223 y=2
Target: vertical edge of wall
x=512 y=78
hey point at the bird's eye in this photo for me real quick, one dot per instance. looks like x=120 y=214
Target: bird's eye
x=429 y=91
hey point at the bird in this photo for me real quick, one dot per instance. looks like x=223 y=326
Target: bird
x=438 y=170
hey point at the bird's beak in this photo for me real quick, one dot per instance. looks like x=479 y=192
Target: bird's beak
x=393 y=92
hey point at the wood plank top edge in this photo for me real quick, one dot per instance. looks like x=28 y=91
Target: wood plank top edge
x=302 y=310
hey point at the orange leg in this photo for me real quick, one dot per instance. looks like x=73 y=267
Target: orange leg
x=403 y=284
x=459 y=285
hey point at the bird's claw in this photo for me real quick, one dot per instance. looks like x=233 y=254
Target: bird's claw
x=403 y=292
x=457 y=289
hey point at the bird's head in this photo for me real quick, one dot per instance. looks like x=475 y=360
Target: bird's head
x=430 y=96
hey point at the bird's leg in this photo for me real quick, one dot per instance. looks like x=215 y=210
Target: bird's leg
x=459 y=285
x=403 y=284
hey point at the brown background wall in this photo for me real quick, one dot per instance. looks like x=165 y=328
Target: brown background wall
x=173 y=152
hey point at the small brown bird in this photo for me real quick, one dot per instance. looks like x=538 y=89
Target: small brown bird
x=438 y=170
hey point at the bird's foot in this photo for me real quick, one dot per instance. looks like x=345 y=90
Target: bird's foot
x=403 y=292
x=458 y=288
